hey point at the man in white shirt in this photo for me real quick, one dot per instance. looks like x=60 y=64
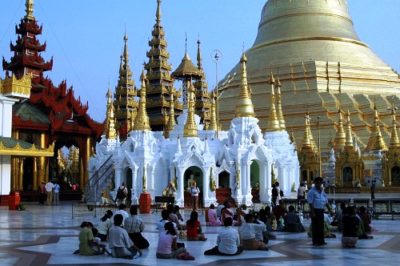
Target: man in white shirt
x=194 y=192
x=251 y=234
x=123 y=212
x=49 y=191
x=228 y=241
x=135 y=226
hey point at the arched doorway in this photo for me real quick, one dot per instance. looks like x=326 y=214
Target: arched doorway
x=193 y=173
x=128 y=183
x=255 y=181
x=395 y=176
x=223 y=192
x=27 y=179
x=347 y=176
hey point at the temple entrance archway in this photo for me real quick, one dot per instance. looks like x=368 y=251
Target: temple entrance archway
x=395 y=172
x=255 y=181
x=223 y=192
x=27 y=181
x=347 y=177
x=193 y=174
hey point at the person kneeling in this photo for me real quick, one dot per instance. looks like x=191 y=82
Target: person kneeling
x=167 y=247
x=248 y=232
x=120 y=244
x=193 y=228
x=228 y=241
x=350 y=227
x=88 y=246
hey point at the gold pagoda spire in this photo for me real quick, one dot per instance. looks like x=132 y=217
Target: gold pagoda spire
x=349 y=134
x=171 y=120
x=340 y=139
x=394 y=139
x=142 y=119
x=190 y=129
x=308 y=139
x=158 y=13
x=279 y=111
x=273 y=121
x=376 y=141
x=199 y=57
x=110 y=131
x=213 y=115
x=29 y=5
x=244 y=105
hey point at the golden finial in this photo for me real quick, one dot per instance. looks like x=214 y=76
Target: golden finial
x=142 y=119
x=279 y=111
x=349 y=134
x=244 y=105
x=273 y=121
x=340 y=139
x=190 y=129
x=158 y=14
x=213 y=115
x=171 y=120
x=199 y=58
x=111 y=133
x=394 y=139
x=29 y=10
x=308 y=139
x=376 y=141
x=126 y=54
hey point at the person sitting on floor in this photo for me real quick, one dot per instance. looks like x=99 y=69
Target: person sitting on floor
x=193 y=228
x=122 y=210
x=175 y=216
x=212 y=217
x=228 y=241
x=251 y=234
x=104 y=225
x=167 y=246
x=120 y=244
x=350 y=224
x=365 y=218
x=87 y=243
x=135 y=226
x=292 y=222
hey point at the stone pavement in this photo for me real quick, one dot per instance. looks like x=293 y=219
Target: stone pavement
x=47 y=235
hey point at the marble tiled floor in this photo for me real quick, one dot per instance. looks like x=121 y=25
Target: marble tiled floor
x=47 y=235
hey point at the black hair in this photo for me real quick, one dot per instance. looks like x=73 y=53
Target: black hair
x=133 y=210
x=291 y=208
x=118 y=219
x=228 y=221
x=122 y=206
x=193 y=218
x=165 y=214
x=212 y=206
x=169 y=227
x=176 y=209
x=107 y=215
x=248 y=217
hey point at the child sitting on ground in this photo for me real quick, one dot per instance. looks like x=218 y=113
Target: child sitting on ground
x=167 y=248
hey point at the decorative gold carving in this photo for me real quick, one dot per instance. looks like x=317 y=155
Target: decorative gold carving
x=213 y=116
x=171 y=119
x=110 y=131
x=19 y=88
x=340 y=139
x=279 y=111
x=376 y=141
x=29 y=4
x=33 y=151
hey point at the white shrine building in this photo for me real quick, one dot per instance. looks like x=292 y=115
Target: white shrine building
x=239 y=160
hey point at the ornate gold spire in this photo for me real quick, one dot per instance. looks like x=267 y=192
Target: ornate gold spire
x=29 y=4
x=279 y=111
x=244 y=105
x=171 y=120
x=308 y=139
x=376 y=141
x=273 y=121
x=158 y=13
x=142 y=119
x=110 y=133
x=213 y=115
x=190 y=129
x=394 y=139
x=199 y=57
x=340 y=139
x=349 y=134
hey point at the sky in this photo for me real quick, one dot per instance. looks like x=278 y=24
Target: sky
x=85 y=37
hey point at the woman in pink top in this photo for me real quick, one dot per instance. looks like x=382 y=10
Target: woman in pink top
x=167 y=248
x=212 y=217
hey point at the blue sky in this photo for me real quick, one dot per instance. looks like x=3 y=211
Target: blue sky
x=85 y=36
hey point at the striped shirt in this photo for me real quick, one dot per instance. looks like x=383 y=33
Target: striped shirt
x=133 y=224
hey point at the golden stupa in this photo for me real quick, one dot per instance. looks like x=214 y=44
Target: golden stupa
x=312 y=48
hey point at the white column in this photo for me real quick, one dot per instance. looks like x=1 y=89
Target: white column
x=118 y=177
x=263 y=182
x=5 y=175
x=180 y=197
x=135 y=192
x=206 y=184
